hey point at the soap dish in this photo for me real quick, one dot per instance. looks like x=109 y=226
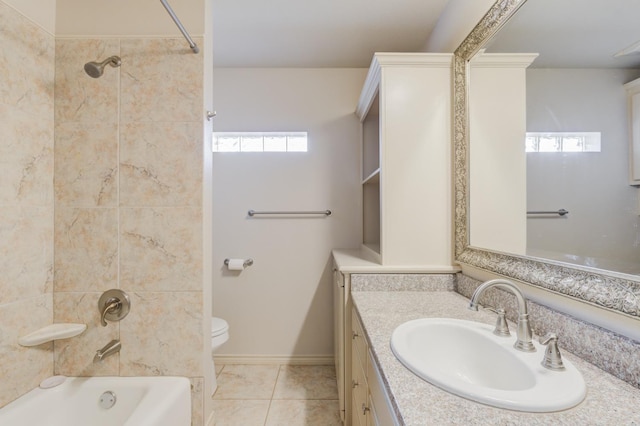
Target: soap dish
x=52 y=332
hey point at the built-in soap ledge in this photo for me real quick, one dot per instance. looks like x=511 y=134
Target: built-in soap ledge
x=52 y=332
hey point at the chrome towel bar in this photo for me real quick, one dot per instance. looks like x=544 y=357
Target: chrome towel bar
x=561 y=212
x=324 y=212
x=184 y=32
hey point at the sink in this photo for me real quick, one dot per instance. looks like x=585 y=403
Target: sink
x=467 y=359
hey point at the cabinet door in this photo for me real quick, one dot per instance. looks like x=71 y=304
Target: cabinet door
x=381 y=412
x=338 y=333
x=372 y=417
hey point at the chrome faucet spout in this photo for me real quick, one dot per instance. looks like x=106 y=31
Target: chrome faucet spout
x=524 y=335
x=109 y=349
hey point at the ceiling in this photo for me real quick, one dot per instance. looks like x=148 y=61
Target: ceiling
x=573 y=33
x=318 y=33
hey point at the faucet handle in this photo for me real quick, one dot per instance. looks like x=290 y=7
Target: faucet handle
x=113 y=305
x=502 y=328
x=552 y=358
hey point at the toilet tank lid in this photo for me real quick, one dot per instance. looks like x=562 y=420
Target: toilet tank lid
x=218 y=326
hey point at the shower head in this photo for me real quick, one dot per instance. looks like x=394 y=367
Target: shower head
x=95 y=69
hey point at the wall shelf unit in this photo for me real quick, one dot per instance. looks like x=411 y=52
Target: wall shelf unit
x=405 y=112
x=372 y=178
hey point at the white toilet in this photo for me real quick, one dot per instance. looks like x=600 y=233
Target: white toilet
x=219 y=333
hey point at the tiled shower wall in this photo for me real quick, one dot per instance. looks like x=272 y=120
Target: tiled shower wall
x=26 y=200
x=128 y=206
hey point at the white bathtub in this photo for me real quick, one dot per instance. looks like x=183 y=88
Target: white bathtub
x=140 y=401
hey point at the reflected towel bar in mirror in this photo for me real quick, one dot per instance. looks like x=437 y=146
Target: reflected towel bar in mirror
x=323 y=212
x=561 y=212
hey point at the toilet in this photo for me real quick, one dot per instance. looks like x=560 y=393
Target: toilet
x=219 y=333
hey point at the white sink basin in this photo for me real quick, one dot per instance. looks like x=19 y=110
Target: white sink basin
x=467 y=359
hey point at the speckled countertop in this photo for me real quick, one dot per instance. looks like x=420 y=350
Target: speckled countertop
x=609 y=401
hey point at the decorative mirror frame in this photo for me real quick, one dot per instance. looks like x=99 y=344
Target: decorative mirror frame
x=610 y=290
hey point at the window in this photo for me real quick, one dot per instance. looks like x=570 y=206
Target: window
x=562 y=142
x=260 y=142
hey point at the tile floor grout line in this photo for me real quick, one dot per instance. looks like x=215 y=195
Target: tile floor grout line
x=273 y=391
x=266 y=417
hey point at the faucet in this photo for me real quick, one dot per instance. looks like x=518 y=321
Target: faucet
x=109 y=349
x=524 y=336
x=111 y=306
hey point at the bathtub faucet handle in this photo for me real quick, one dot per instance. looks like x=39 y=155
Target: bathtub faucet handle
x=113 y=305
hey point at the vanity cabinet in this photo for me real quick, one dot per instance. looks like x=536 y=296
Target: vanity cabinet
x=405 y=112
x=633 y=101
x=341 y=329
x=362 y=398
x=369 y=403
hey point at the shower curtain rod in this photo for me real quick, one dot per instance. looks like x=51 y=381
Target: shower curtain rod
x=184 y=32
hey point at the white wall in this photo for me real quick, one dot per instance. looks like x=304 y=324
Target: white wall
x=127 y=17
x=456 y=22
x=42 y=12
x=603 y=220
x=281 y=306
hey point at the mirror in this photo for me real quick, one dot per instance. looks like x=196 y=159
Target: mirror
x=577 y=158
x=597 y=271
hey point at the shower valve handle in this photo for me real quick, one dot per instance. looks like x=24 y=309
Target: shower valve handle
x=113 y=305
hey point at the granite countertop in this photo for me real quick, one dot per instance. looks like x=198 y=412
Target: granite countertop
x=609 y=400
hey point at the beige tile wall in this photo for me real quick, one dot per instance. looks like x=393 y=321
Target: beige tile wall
x=125 y=180
x=26 y=200
x=128 y=197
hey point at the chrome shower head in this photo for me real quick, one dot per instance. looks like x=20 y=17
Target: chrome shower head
x=95 y=69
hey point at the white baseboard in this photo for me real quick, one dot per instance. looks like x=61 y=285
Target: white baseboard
x=267 y=359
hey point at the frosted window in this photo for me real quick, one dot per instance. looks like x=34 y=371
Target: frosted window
x=275 y=143
x=260 y=142
x=227 y=144
x=573 y=144
x=297 y=143
x=531 y=144
x=563 y=142
x=251 y=144
x=548 y=144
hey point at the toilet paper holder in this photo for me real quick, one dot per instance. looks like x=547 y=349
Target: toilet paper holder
x=247 y=262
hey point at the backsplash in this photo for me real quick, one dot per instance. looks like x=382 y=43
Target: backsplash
x=608 y=351
x=402 y=282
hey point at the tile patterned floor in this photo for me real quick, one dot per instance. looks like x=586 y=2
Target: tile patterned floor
x=276 y=395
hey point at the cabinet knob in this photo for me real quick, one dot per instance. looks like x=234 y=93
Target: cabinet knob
x=365 y=409
x=354 y=335
x=354 y=384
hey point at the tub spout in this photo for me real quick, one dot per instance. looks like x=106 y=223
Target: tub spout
x=109 y=349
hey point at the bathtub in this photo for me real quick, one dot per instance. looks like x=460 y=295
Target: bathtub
x=80 y=401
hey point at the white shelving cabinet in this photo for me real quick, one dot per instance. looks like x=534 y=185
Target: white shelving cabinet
x=405 y=111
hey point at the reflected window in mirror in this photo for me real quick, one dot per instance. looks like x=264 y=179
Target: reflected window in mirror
x=562 y=142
